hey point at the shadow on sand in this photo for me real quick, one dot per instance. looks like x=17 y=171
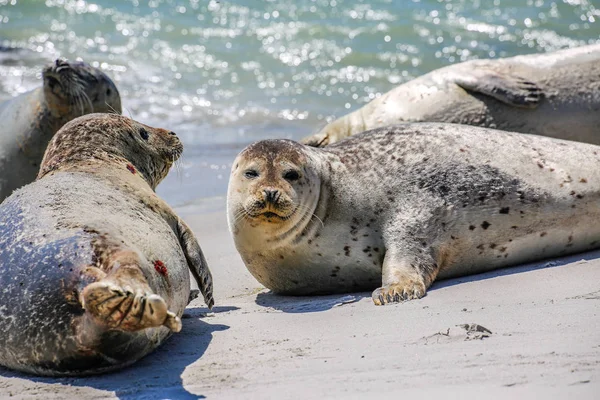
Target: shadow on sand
x=158 y=375
x=537 y=265
x=307 y=304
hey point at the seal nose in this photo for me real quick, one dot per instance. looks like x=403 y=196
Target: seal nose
x=271 y=195
x=60 y=63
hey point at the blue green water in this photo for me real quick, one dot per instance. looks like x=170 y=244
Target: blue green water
x=225 y=73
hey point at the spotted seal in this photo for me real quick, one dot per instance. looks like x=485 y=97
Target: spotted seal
x=395 y=208
x=554 y=94
x=94 y=266
x=29 y=121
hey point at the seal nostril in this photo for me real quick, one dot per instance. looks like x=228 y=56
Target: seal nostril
x=172 y=133
x=271 y=196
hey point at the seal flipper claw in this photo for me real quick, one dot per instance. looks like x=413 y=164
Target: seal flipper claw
x=509 y=89
x=409 y=289
x=196 y=262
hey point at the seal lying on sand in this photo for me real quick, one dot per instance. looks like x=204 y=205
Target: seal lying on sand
x=555 y=94
x=29 y=121
x=400 y=206
x=93 y=265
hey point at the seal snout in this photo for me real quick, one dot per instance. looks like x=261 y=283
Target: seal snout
x=59 y=65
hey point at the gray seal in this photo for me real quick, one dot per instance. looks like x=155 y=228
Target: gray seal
x=395 y=208
x=553 y=94
x=29 y=121
x=94 y=266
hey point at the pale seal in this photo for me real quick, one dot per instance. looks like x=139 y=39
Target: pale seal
x=29 y=121
x=397 y=207
x=93 y=265
x=553 y=94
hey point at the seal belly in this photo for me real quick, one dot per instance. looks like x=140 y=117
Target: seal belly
x=324 y=263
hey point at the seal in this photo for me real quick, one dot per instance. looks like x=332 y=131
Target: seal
x=397 y=207
x=554 y=94
x=29 y=121
x=94 y=266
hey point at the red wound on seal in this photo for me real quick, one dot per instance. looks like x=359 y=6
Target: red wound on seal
x=159 y=266
x=131 y=168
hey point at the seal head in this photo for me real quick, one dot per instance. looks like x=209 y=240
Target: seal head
x=93 y=138
x=79 y=88
x=274 y=186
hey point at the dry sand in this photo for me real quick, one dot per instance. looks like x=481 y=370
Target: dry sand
x=544 y=320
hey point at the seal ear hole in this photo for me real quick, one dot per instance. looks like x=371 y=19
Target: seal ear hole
x=251 y=174
x=291 y=176
x=144 y=134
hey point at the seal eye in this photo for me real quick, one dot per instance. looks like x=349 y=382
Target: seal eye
x=291 y=176
x=108 y=92
x=251 y=174
x=144 y=134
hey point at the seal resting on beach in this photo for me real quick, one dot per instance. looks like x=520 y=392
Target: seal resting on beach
x=29 y=121
x=395 y=208
x=553 y=94
x=93 y=265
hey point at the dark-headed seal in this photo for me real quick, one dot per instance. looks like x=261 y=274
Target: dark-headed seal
x=554 y=94
x=93 y=265
x=29 y=121
x=397 y=207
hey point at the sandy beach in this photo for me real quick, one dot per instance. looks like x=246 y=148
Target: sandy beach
x=531 y=331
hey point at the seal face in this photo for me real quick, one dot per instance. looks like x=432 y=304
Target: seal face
x=70 y=90
x=95 y=267
x=554 y=94
x=395 y=208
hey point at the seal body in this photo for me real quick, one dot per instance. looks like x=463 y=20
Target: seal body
x=394 y=208
x=29 y=121
x=94 y=266
x=554 y=94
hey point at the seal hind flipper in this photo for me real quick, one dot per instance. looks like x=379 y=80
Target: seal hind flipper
x=123 y=300
x=196 y=262
x=509 y=89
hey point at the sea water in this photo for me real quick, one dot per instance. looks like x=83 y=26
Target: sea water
x=225 y=73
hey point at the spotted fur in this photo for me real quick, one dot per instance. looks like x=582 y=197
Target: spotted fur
x=396 y=208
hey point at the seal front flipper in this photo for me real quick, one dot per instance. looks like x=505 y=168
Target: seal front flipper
x=196 y=262
x=123 y=300
x=404 y=277
x=509 y=89
x=318 y=140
